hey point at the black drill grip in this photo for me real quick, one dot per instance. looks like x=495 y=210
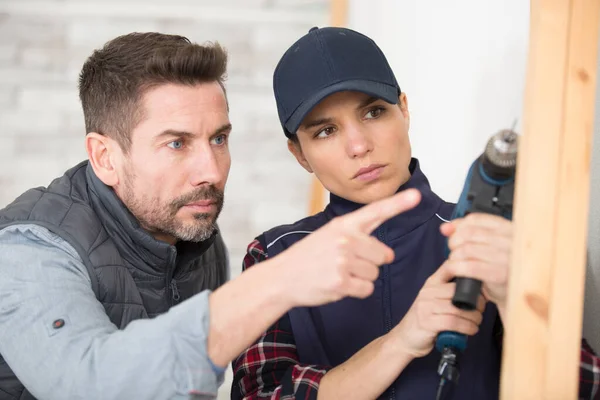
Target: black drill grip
x=466 y=293
x=482 y=197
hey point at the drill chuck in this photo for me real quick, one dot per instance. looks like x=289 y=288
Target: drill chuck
x=500 y=155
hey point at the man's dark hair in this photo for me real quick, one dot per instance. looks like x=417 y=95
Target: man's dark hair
x=115 y=77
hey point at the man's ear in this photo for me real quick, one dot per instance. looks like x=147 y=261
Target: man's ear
x=403 y=103
x=296 y=150
x=102 y=153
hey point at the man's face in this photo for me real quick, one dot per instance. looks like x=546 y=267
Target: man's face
x=356 y=145
x=173 y=177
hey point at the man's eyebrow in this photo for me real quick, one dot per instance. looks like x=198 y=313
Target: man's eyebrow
x=174 y=132
x=223 y=129
x=189 y=135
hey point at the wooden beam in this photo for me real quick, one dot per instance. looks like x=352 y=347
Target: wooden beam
x=338 y=13
x=338 y=16
x=317 y=197
x=545 y=304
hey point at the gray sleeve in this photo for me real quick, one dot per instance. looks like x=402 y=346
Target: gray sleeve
x=43 y=280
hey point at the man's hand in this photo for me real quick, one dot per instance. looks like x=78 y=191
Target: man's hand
x=480 y=248
x=433 y=312
x=341 y=258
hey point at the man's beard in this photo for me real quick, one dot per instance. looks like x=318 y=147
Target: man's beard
x=158 y=218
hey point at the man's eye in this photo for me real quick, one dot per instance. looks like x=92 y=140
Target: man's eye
x=176 y=144
x=219 y=140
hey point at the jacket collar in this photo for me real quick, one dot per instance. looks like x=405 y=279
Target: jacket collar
x=133 y=242
x=402 y=223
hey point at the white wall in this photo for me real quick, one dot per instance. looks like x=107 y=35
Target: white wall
x=462 y=64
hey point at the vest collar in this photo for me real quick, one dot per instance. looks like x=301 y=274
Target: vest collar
x=405 y=222
x=133 y=242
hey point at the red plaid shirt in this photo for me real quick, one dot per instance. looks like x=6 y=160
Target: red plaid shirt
x=271 y=369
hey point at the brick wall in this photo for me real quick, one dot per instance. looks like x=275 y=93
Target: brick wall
x=43 y=45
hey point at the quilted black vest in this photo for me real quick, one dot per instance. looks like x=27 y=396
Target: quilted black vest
x=133 y=275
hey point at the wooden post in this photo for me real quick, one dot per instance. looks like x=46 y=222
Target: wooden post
x=545 y=304
x=338 y=13
x=338 y=17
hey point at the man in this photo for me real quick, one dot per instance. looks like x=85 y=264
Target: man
x=347 y=122
x=113 y=277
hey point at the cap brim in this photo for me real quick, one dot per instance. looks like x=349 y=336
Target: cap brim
x=376 y=89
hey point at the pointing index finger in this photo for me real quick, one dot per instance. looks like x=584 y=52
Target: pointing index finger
x=369 y=217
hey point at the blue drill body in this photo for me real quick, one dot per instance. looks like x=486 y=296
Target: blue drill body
x=464 y=206
x=489 y=188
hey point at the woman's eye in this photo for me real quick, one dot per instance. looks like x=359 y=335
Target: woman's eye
x=374 y=113
x=176 y=144
x=323 y=133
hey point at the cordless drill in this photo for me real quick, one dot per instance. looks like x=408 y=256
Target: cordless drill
x=489 y=188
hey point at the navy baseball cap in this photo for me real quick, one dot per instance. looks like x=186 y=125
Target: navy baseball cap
x=326 y=61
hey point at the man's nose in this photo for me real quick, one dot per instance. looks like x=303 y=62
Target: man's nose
x=205 y=169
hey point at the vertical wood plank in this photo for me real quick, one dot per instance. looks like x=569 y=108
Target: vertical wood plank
x=568 y=280
x=338 y=13
x=545 y=305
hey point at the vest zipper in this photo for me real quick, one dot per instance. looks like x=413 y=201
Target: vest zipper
x=175 y=291
x=387 y=301
x=172 y=283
